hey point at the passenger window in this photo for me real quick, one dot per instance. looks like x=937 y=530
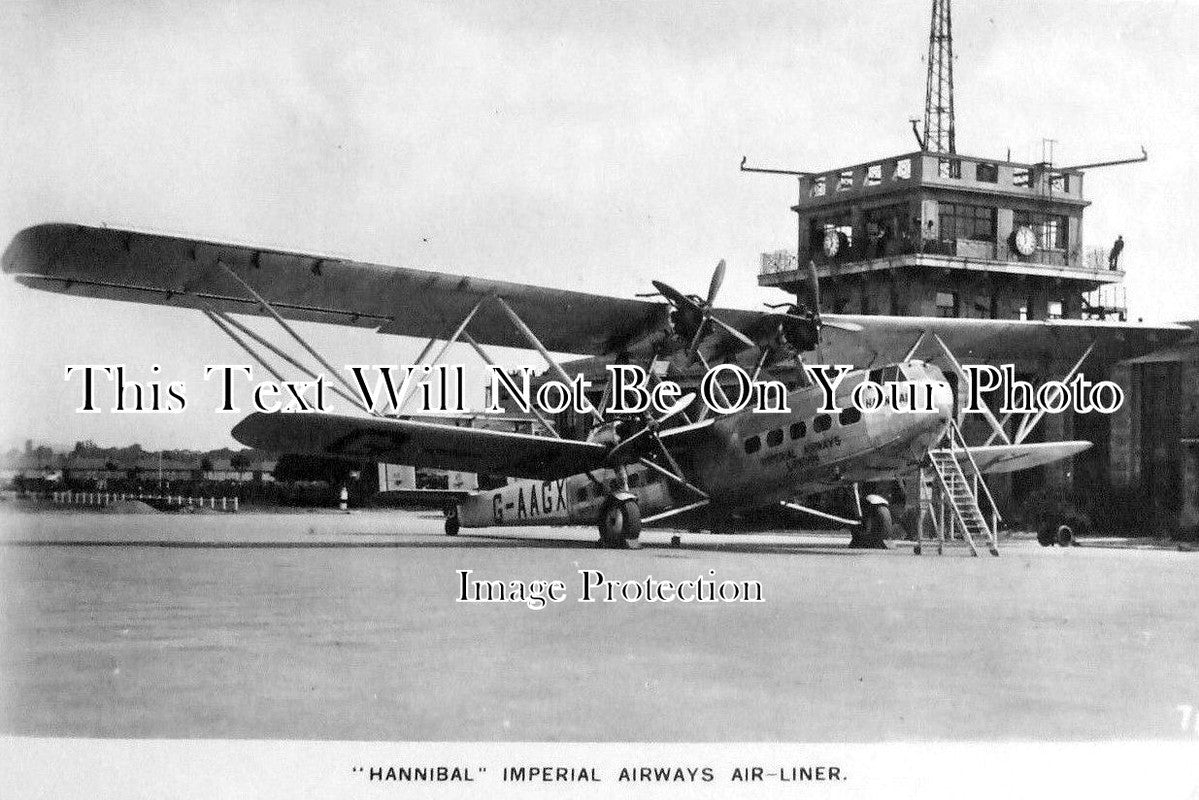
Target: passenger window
x=799 y=430
x=774 y=438
x=850 y=415
x=822 y=423
x=753 y=444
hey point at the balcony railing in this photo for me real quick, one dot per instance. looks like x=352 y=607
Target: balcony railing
x=780 y=261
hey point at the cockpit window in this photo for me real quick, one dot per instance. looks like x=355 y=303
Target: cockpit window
x=888 y=374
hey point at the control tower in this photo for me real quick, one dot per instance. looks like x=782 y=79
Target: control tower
x=948 y=235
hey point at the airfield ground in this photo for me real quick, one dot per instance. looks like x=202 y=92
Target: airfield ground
x=345 y=627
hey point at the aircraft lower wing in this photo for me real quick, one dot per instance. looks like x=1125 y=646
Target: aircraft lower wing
x=420 y=444
x=997 y=458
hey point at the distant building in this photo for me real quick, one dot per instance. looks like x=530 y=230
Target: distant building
x=1155 y=435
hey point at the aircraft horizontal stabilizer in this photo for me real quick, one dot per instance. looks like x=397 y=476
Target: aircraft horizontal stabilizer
x=999 y=458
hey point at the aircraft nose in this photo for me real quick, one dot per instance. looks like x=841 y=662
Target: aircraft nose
x=943 y=398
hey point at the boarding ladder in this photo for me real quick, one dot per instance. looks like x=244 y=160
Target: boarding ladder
x=950 y=496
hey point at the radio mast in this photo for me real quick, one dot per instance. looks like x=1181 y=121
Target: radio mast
x=938 y=95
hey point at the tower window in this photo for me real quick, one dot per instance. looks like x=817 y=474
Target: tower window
x=1052 y=229
x=947 y=304
x=961 y=221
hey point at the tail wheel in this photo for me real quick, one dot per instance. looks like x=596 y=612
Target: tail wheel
x=619 y=523
x=452 y=524
x=875 y=529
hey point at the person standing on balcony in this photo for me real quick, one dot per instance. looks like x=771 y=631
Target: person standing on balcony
x=1113 y=256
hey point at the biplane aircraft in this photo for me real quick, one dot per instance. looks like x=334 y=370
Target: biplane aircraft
x=682 y=466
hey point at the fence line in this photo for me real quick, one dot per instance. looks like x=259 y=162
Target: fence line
x=102 y=499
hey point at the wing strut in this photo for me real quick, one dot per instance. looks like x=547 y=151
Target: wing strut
x=283 y=323
x=821 y=514
x=540 y=348
x=228 y=331
x=487 y=359
x=218 y=317
x=458 y=332
x=674 y=512
x=957 y=368
x=915 y=346
x=1029 y=424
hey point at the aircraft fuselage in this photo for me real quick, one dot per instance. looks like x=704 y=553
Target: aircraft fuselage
x=748 y=460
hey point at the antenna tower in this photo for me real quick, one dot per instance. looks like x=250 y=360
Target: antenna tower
x=938 y=94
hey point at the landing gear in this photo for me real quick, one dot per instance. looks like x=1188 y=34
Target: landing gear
x=1063 y=530
x=875 y=529
x=620 y=523
x=452 y=523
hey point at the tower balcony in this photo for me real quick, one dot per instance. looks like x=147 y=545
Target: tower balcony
x=782 y=269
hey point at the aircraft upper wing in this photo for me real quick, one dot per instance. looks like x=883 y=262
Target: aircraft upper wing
x=420 y=444
x=1051 y=345
x=169 y=270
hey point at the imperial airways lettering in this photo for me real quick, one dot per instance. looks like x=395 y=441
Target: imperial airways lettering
x=667 y=774
x=551 y=774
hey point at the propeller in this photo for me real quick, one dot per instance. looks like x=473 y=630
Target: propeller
x=800 y=323
x=694 y=315
x=652 y=426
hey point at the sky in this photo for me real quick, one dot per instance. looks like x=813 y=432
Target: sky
x=587 y=145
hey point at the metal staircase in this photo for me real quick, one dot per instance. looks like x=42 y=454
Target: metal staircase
x=950 y=495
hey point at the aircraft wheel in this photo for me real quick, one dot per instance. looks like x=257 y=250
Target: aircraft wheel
x=1064 y=535
x=1045 y=536
x=620 y=523
x=875 y=529
x=452 y=524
